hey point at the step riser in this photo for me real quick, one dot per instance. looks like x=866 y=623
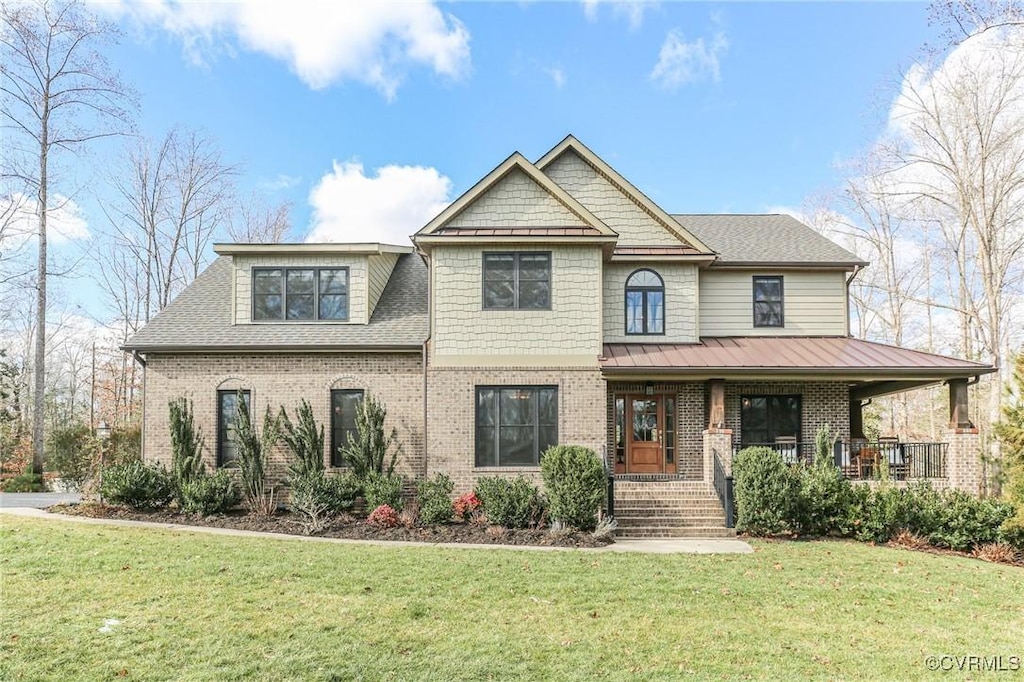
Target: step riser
x=696 y=533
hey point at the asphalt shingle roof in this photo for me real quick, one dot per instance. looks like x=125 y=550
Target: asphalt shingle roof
x=200 y=318
x=766 y=238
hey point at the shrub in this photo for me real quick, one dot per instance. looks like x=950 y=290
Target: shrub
x=512 y=503
x=766 y=491
x=968 y=521
x=434 y=498
x=383 y=490
x=186 y=443
x=606 y=528
x=24 y=483
x=318 y=498
x=824 y=498
x=997 y=552
x=466 y=505
x=371 y=450
x=252 y=448
x=575 y=483
x=73 y=454
x=137 y=485
x=383 y=516
x=883 y=513
x=305 y=439
x=206 y=495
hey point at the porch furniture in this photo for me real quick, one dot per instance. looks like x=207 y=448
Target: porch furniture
x=868 y=461
x=892 y=452
x=789 y=449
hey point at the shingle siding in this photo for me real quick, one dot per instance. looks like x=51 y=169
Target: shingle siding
x=516 y=201
x=379 y=272
x=357 y=281
x=634 y=226
x=680 y=302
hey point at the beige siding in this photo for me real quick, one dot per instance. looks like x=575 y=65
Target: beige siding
x=606 y=201
x=516 y=201
x=814 y=303
x=567 y=334
x=357 y=281
x=380 y=268
x=680 y=303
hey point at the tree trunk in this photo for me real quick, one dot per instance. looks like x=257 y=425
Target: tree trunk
x=39 y=371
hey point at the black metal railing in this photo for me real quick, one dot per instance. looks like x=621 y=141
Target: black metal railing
x=723 y=487
x=866 y=461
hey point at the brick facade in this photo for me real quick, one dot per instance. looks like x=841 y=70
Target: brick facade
x=822 y=402
x=451 y=421
x=275 y=380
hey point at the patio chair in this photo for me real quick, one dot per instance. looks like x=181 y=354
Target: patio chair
x=892 y=453
x=788 y=448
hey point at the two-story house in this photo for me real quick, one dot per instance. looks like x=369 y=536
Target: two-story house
x=554 y=302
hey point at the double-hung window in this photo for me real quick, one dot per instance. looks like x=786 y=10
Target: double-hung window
x=227 y=417
x=764 y=418
x=517 y=281
x=307 y=294
x=344 y=403
x=515 y=425
x=768 y=309
x=645 y=303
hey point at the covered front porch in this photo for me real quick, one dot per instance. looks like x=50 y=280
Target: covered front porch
x=678 y=412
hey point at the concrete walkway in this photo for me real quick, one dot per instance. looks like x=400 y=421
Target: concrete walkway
x=666 y=546
x=37 y=500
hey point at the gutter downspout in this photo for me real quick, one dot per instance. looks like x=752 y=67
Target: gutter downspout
x=142 y=421
x=856 y=269
x=426 y=352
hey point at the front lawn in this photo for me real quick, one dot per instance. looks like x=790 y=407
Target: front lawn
x=199 y=607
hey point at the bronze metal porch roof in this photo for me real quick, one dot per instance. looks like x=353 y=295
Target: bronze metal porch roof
x=788 y=355
x=681 y=250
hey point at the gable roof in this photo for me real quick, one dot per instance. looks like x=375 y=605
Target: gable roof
x=570 y=143
x=514 y=162
x=199 y=319
x=768 y=239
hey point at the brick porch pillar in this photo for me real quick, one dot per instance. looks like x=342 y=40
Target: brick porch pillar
x=720 y=441
x=963 y=459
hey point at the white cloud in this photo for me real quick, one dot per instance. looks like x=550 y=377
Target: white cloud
x=281 y=182
x=323 y=42
x=21 y=222
x=681 y=62
x=388 y=206
x=557 y=74
x=632 y=10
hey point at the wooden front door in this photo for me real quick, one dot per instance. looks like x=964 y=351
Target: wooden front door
x=645 y=426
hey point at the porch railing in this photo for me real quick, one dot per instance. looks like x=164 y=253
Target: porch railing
x=865 y=461
x=723 y=487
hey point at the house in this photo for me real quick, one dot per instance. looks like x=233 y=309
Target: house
x=554 y=302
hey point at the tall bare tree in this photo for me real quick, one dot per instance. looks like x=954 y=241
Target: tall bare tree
x=58 y=94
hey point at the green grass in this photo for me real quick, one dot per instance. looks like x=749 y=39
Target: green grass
x=201 y=607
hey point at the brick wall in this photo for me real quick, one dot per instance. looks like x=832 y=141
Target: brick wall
x=276 y=380
x=451 y=427
x=823 y=402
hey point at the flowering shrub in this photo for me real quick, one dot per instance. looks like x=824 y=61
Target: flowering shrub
x=466 y=505
x=383 y=516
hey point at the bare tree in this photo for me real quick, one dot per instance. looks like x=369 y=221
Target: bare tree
x=172 y=198
x=58 y=94
x=257 y=222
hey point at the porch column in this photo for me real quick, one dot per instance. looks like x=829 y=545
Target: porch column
x=716 y=409
x=856 y=419
x=958 y=417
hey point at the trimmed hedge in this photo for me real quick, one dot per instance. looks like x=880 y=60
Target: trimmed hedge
x=766 y=490
x=514 y=503
x=575 y=483
x=137 y=485
x=207 y=495
x=435 y=499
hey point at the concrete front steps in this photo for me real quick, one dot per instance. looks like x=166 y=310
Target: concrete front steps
x=668 y=508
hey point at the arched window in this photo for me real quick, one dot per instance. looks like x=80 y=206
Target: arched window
x=645 y=303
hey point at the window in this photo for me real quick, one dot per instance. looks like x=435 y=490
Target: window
x=645 y=303
x=227 y=415
x=768 y=302
x=344 y=404
x=670 y=430
x=763 y=418
x=515 y=425
x=517 y=281
x=300 y=294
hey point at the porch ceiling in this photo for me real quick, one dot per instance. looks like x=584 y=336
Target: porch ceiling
x=854 y=360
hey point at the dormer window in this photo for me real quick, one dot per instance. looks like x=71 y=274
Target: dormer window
x=768 y=309
x=300 y=294
x=645 y=303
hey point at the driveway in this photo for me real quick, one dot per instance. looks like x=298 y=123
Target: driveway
x=36 y=500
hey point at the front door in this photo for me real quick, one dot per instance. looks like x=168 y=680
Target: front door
x=644 y=435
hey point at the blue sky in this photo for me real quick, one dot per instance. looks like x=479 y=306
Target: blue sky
x=799 y=87
x=369 y=117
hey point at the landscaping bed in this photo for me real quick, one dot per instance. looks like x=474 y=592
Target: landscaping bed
x=345 y=526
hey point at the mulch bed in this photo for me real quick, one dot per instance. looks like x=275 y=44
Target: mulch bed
x=344 y=526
